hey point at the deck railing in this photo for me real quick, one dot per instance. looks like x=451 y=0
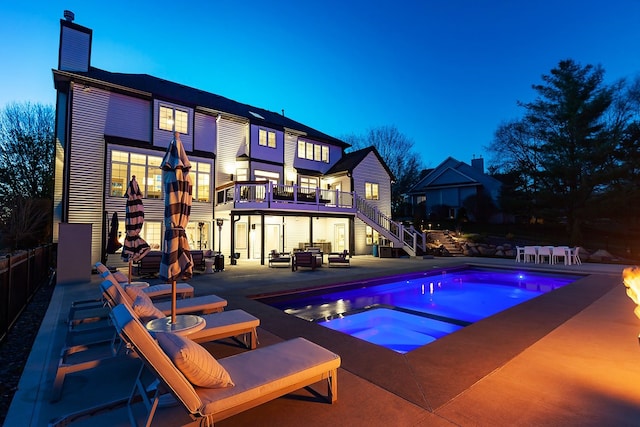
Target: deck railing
x=266 y=195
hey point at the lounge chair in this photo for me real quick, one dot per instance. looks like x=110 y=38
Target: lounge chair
x=184 y=290
x=279 y=258
x=76 y=358
x=304 y=259
x=336 y=259
x=257 y=376
x=199 y=305
x=224 y=324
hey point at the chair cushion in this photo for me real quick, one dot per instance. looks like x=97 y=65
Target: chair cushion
x=135 y=291
x=194 y=361
x=145 y=310
x=120 y=277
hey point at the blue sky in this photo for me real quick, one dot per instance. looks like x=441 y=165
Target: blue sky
x=446 y=73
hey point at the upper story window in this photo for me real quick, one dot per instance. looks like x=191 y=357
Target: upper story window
x=173 y=119
x=371 y=191
x=312 y=151
x=145 y=168
x=201 y=179
x=308 y=184
x=267 y=138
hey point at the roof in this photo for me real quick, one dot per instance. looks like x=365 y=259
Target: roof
x=180 y=94
x=452 y=173
x=350 y=161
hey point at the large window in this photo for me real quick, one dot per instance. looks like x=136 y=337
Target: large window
x=201 y=179
x=267 y=138
x=371 y=191
x=371 y=236
x=174 y=120
x=144 y=167
x=311 y=151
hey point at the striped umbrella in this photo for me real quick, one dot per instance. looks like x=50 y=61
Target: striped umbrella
x=176 y=256
x=135 y=248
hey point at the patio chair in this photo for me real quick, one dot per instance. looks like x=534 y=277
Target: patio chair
x=560 y=252
x=224 y=324
x=530 y=254
x=304 y=259
x=341 y=259
x=201 y=305
x=574 y=255
x=184 y=290
x=545 y=254
x=279 y=258
x=520 y=254
x=244 y=380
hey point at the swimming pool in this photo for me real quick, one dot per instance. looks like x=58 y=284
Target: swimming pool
x=406 y=312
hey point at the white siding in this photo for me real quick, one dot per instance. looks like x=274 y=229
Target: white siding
x=370 y=170
x=75 y=48
x=205 y=133
x=86 y=177
x=232 y=139
x=128 y=117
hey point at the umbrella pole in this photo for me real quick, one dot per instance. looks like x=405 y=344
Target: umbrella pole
x=130 y=269
x=173 y=301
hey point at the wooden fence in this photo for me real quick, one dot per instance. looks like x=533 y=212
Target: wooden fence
x=21 y=275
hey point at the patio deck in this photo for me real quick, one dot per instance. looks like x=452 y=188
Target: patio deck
x=566 y=358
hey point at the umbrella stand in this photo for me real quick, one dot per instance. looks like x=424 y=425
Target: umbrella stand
x=174 y=297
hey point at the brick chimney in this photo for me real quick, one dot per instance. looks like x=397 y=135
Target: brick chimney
x=478 y=164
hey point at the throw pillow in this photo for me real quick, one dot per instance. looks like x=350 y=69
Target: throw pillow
x=145 y=310
x=194 y=361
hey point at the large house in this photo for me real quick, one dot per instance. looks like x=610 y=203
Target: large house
x=454 y=189
x=262 y=181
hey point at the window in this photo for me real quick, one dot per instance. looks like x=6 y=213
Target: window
x=145 y=168
x=308 y=184
x=371 y=236
x=201 y=179
x=371 y=191
x=172 y=119
x=267 y=138
x=310 y=151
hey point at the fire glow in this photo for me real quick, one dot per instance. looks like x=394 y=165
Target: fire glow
x=631 y=279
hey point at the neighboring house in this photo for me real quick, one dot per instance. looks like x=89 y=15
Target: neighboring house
x=261 y=181
x=454 y=188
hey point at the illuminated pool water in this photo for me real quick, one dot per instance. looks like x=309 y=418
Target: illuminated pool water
x=406 y=312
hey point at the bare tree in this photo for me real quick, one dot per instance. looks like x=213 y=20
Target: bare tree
x=26 y=168
x=397 y=151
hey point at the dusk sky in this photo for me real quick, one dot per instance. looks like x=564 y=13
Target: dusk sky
x=446 y=73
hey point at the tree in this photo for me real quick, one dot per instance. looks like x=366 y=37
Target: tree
x=563 y=149
x=397 y=151
x=26 y=171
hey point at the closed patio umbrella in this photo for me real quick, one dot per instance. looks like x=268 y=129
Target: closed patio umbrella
x=176 y=256
x=135 y=247
x=112 y=243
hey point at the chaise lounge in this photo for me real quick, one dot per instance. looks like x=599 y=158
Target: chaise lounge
x=244 y=380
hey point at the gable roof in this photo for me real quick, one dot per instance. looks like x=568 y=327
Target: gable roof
x=350 y=161
x=453 y=173
x=150 y=86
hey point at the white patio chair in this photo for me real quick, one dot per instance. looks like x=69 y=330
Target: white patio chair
x=560 y=252
x=519 y=253
x=574 y=255
x=530 y=254
x=544 y=254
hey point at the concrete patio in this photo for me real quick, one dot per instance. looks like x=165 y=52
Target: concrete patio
x=566 y=358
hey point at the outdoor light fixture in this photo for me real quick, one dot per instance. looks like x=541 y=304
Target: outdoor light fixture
x=219 y=222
